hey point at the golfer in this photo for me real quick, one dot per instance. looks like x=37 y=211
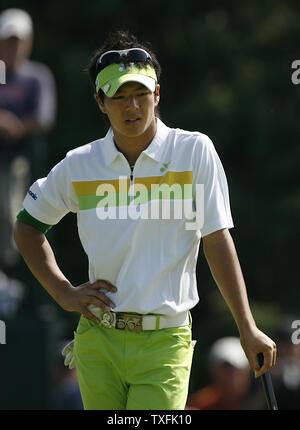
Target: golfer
x=144 y=195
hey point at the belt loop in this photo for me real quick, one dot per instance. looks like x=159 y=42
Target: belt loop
x=157 y=322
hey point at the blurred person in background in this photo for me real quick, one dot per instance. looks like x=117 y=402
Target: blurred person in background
x=66 y=395
x=286 y=375
x=27 y=112
x=12 y=296
x=230 y=375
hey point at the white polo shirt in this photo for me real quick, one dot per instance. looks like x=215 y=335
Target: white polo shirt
x=134 y=236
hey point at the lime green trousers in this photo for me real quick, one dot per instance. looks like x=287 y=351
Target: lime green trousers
x=120 y=369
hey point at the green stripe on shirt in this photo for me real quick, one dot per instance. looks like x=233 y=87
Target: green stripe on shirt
x=25 y=217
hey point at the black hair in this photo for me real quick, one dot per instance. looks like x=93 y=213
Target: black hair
x=117 y=40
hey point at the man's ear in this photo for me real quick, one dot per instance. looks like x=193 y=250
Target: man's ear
x=100 y=103
x=157 y=94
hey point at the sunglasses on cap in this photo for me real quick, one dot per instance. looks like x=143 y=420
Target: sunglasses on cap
x=133 y=54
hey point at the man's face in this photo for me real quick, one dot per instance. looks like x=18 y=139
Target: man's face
x=13 y=50
x=131 y=109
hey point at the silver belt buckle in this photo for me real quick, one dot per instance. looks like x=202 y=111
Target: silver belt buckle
x=129 y=322
x=108 y=319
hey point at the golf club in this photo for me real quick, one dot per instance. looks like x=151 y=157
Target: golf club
x=268 y=386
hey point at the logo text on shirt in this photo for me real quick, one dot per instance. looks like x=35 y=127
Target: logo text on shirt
x=165 y=166
x=33 y=195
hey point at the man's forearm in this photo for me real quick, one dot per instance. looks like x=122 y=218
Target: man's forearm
x=39 y=257
x=224 y=265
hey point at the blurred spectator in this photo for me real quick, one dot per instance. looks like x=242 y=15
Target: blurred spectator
x=17 y=24
x=66 y=393
x=27 y=112
x=286 y=373
x=67 y=396
x=12 y=295
x=231 y=381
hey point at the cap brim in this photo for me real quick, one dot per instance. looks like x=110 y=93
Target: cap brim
x=12 y=31
x=115 y=84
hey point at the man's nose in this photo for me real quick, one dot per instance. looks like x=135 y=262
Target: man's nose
x=132 y=102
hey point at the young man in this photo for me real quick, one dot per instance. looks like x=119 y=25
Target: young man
x=133 y=347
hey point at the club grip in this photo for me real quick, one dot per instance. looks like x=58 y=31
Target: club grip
x=260 y=359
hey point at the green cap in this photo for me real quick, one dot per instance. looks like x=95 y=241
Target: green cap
x=113 y=76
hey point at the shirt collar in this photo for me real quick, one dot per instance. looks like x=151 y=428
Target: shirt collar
x=154 y=150
x=110 y=152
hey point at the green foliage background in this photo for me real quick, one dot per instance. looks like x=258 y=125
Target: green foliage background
x=226 y=71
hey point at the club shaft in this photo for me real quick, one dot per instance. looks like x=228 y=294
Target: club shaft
x=269 y=391
x=268 y=386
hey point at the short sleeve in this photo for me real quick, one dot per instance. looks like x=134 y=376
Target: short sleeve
x=50 y=199
x=212 y=183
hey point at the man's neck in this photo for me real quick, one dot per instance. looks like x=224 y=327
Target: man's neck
x=132 y=147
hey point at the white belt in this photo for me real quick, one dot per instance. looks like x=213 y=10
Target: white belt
x=139 y=322
x=157 y=322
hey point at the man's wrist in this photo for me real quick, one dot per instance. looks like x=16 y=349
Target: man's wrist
x=61 y=291
x=246 y=325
